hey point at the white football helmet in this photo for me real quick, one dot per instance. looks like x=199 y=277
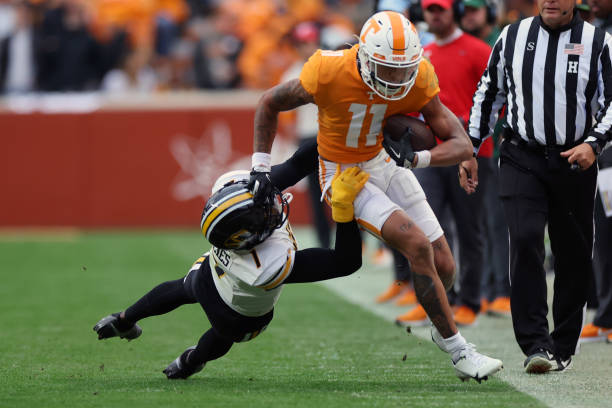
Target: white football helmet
x=389 y=54
x=233 y=176
x=233 y=220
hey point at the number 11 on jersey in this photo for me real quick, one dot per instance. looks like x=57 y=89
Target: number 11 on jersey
x=359 y=112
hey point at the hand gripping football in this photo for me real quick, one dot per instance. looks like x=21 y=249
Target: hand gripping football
x=422 y=137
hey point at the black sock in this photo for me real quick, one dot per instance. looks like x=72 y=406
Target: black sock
x=161 y=299
x=210 y=347
x=122 y=324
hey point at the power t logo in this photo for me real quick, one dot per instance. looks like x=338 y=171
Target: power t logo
x=202 y=160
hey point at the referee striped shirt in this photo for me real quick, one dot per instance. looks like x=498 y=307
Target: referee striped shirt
x=547 y=80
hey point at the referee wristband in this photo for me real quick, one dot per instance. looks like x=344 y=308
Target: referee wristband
x=261 y=162
x=424 y=159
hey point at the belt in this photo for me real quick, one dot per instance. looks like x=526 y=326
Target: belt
x=550 y=153
x=532 y=147
x=519 y=142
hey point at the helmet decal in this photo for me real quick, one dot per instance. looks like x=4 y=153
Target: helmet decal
x=398 y=40
x=371 y=24
x=236 y=239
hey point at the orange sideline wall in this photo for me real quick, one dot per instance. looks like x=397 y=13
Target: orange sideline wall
x=127 y=166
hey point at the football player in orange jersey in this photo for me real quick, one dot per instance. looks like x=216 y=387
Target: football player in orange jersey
x=355 y=91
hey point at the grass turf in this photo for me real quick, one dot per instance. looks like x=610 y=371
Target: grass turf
x=318 y=351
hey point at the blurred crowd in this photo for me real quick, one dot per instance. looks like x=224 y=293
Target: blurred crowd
x=152 y=45
x=157 y=45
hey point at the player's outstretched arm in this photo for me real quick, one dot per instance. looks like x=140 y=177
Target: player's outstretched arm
x=283 y=97
x=304 y=161
x=457 y=146
x=317 y=264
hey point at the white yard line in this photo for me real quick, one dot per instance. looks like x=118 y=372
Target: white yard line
x=588 y=384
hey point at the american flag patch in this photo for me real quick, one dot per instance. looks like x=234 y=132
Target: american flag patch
x=573 y=49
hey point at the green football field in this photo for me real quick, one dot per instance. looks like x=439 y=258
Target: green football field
x=320 y=351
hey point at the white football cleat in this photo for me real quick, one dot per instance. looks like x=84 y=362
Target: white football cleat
x=472 y=364
x=469 y=362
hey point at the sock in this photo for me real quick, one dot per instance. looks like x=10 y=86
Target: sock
x=160 y=300
x=210 y=347
x=122 y=324
x=454 y=345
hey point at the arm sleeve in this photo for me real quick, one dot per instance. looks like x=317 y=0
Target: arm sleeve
x=304 y=161
x=317 y=264
x=602 y=131
x=490 y=96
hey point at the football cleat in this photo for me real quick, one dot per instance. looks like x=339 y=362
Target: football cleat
x=180 y=369
x=110 y=326
x=394 y=290
x=471 y=364
x=415 y=317
x=499 y=307
x=539 y=362
x=484 y=305
x=464 y=316
x=407 y=298
x=591 y=333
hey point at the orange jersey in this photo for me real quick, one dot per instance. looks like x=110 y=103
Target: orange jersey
x=351 y=115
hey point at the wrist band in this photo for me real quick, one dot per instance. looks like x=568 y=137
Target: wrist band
x=424 y=159
x=261 y=161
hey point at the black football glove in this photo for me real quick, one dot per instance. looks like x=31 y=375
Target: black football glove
x=260 y=185
x=401 y=150
x=180 y=368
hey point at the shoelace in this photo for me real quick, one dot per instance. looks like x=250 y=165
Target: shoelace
x=469 y=351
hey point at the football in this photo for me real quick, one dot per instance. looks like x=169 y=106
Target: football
x=422 y=138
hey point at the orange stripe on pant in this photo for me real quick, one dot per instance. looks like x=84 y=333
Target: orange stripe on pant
x=369 y=227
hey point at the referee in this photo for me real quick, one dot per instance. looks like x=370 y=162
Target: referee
x=546 y=70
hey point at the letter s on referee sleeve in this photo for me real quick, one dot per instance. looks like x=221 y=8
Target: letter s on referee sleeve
x=490 y=95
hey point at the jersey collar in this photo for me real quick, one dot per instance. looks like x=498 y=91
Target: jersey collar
x=445 y=41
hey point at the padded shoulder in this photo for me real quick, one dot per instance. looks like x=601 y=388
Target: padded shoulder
x=325 y=67
x=426 y=85
x=309 y=77
x=427 y=80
